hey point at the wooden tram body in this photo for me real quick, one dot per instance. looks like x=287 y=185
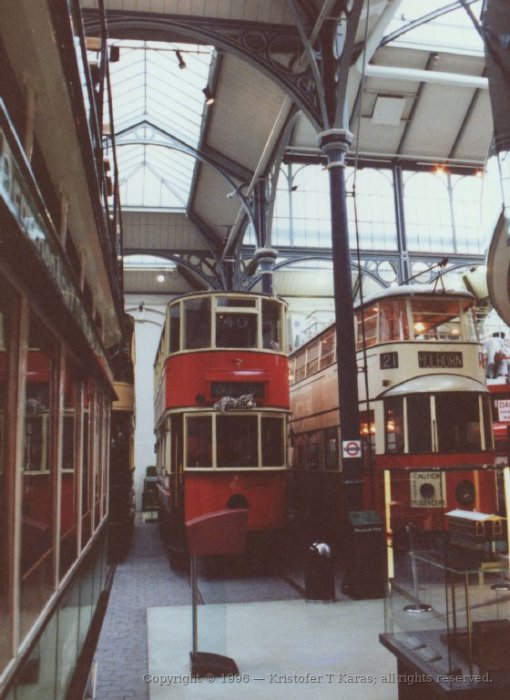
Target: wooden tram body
x=221 y=409
x=424 y=407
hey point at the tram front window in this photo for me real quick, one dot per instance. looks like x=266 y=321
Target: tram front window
x=199 y=441
x=393 y=322
x=236 y=330
x=175 y=328
x=458 y=422
x=271 y=325
x=418 y=422
x=197 y=326
x=237 y=443
x=394 y=424
x=439 y=319
x=272 y=442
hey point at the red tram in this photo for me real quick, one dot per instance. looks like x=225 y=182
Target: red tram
x=424 y=412
x=221 y=409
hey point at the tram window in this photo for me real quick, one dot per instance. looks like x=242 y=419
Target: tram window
x=68 y=531
x=470 y=331
x=300 y=459
x=8 y=364
x=68 y=436
x=436 y=319
x=367 y=428
x=367 y=327
x=271 y=325
x=394 y=424
x=393 y=321
x=312 y=455
x=292 y=370
x=198 y=441
x=236 y=330
x=419 y=423
x=272 y=442
x=175 y=328
x=86 y=464
x=197 y=324
x=312 y=358
x=331 y=460
x=237 y=441
x=37 y=486
x=458 y=421
x=300 y=366
x=236 y=302
x=98 y=451
x=327 y=349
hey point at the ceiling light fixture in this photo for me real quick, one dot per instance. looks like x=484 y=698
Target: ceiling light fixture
x=182 y=62
x=209 y=97
x=160 y=277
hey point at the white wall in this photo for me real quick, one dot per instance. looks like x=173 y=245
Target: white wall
x=149 y=318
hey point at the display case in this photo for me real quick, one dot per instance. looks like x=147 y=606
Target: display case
x=447 y=608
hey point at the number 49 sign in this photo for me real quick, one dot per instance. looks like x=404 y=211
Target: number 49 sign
x=351 y=449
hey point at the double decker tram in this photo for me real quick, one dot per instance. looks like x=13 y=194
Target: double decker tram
x=221 y=410
x=424 y=412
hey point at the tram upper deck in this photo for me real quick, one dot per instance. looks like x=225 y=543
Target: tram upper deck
x=221 y=344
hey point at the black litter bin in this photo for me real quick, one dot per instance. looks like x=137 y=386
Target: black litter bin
x=365 y=571
x=319 y=573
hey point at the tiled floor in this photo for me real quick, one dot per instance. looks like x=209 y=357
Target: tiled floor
x=142 y=581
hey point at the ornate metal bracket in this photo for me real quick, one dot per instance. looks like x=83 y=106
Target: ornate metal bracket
x=275 y=50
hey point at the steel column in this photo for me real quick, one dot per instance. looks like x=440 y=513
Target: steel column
x=335 y=143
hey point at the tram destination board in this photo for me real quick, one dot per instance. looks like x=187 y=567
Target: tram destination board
x=438 y=360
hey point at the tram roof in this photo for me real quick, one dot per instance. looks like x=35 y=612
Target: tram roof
x=415 y=290
x=436 y=383
x=228 y=293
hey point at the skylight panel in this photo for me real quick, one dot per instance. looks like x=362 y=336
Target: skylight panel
x=152 y=84
x=449 y=32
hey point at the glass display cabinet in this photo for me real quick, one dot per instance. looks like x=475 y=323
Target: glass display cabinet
x=447 y=608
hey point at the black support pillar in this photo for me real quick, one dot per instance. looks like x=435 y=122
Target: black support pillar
x=335 y=143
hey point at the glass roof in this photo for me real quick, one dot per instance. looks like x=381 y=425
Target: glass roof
x=450 y=32
x=157 y=94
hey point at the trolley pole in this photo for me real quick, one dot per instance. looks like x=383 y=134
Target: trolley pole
x=335 y=143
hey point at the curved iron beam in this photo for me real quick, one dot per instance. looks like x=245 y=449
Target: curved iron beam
x=177 y=260
x=290 y=261
x=253 y=42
